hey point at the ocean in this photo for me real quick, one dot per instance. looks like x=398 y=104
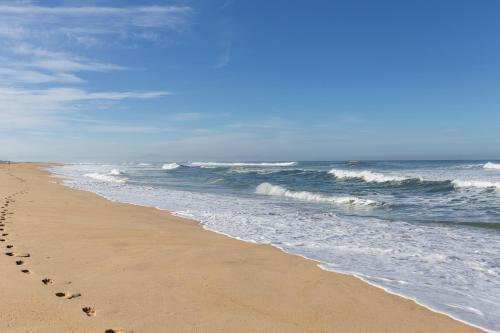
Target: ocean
x=425 y=230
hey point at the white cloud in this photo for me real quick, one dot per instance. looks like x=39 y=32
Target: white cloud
x=58 y=61
x=21 y=21
x=28 y=108
x=188 y=116
x=13 y=75
x=86 y=11
x=194 y=116
x=117 y=128
x=38 y=75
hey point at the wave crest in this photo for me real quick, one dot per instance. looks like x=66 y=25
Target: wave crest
x=276 y=190
x=105 y=178
x=237 y=164
x=367 y=176
x=491 y=165
x=475 y=183
x=116 y=172
x=170 y=166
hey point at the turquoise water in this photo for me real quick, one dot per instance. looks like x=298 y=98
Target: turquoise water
x=427 y=230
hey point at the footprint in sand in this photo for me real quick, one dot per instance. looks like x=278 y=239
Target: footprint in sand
x=118 y=331
x=9 y=246
x=89 y=311
x=68 y=295
x=47 y=281
x=21 y=255
x=26 y=271
x=5 y=235
x=19 y=262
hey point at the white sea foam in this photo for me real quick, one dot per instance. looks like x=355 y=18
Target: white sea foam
x=276 y=190
x=491 y=165
x=263 y=171
x=116 y=172
x=367 y=176
x=104 y=177
x=170 y=166
x=236 y=164
x=475 y=183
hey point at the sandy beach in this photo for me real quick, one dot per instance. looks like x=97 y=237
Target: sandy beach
x=75 y=262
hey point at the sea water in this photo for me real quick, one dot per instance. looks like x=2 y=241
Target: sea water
x=426 y=230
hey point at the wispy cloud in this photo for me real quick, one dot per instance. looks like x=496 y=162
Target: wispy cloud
x=271 y=123
x=225 y=56
x=12 y=75
x=22 y=21
x=195 y=116
x=27 y=108
x=131 y=129
x=38 y=74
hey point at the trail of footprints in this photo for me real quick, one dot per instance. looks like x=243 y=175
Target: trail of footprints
x=5 y=218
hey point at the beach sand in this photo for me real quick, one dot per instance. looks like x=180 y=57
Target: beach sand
x=138 y=269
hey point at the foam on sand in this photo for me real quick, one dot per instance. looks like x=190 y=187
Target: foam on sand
x=236 y=164
x=367 y=176
x=276 y=190
x=170 y=166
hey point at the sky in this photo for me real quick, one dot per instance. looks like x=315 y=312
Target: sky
x=241 y=80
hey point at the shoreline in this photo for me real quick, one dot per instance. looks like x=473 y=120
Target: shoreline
x=363 y=302
x=319 y=264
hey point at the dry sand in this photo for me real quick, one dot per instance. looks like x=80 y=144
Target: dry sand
x=145 y=270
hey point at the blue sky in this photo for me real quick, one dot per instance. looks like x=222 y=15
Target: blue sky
x=249 y=80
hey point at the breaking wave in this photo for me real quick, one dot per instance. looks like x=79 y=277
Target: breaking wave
x=105 y=178
x=237 y=164
x=491 y=165
x=276 y=190
x=170 y=166
x=475 y=183
x=368 y=176
x=116 y=172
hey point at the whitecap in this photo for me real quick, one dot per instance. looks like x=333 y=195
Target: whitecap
x=367 y=176
x=475 y=183
x=116 y=172
x=105 y=178
x=276 y=190
x=236 y=164
x=170 y=166
x=491 y=165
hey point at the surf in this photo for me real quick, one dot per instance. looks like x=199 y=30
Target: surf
x=280 y=191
